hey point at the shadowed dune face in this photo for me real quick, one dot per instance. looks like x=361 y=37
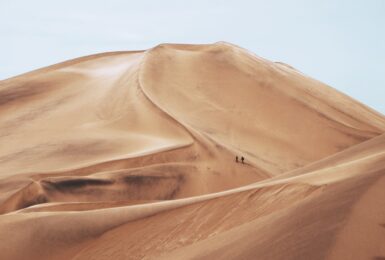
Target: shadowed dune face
x=131 y=155
x=272 y=114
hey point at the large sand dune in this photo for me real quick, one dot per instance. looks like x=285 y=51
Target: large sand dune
x=131 y=155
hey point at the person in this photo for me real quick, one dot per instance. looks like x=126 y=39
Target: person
x=236 y=158
x=242 y=159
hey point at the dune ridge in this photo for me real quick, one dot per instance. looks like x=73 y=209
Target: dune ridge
x=131 y=155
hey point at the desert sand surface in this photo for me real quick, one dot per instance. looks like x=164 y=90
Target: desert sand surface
x=131 y=155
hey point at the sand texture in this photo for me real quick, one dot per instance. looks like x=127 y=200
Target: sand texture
x=131 y=155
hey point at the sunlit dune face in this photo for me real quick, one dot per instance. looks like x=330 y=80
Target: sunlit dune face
x=187 y=152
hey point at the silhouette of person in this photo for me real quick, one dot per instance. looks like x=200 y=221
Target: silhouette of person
x=242 y=159
x=236 y=158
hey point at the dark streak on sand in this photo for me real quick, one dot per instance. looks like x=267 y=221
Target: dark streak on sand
x=74 y=184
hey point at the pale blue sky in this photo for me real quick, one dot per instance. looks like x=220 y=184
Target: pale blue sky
x=341 y=43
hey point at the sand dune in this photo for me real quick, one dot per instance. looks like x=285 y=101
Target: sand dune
x=131 y=155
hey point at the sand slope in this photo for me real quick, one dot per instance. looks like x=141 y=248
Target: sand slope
x=131 y=155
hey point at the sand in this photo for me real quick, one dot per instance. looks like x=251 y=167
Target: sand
x=131 y=155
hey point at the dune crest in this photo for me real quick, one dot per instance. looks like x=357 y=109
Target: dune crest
x=131 y=155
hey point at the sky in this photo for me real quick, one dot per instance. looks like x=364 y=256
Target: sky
x=341 y=43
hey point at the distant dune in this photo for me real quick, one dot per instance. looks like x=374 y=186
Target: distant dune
x=132 y=155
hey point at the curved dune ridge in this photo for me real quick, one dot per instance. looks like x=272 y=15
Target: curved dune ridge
x=131 y=155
